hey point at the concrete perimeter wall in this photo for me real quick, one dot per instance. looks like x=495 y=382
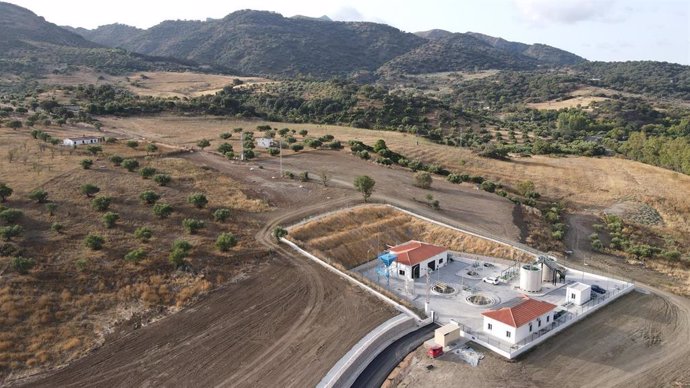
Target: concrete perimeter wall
x=350 y=366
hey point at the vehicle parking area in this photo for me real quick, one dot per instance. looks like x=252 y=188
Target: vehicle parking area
x=457 y=292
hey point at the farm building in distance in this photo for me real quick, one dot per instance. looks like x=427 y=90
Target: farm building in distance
x=414 y=259
x=75 y=141
x=265 y=142
x=518 y=319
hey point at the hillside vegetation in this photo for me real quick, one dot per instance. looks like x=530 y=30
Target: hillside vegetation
x=258 y=42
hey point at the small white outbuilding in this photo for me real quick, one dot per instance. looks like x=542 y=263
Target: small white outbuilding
x=578 y=293
x=265 y=142
x=75 y=141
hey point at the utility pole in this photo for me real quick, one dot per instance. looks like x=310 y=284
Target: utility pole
x=242 y=142
x=280 y=147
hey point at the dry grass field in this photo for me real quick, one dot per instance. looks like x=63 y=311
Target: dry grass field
x=74 y=296
x=355 y=236
x=579 y=101
x=155 y=84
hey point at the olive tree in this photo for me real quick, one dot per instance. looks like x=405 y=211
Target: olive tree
x=365 y=185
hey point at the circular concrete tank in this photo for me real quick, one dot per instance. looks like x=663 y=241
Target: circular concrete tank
x=530 y=278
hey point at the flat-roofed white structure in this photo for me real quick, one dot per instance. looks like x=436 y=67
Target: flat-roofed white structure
x=578 y=293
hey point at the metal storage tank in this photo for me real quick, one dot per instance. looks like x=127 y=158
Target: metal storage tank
x=546 y=273
x=530 y=278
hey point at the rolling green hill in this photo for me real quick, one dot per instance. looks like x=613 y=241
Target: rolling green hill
x=266 y=43
x=30 y=47
x=457 y=52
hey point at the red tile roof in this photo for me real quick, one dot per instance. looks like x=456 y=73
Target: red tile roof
x=414 y=252
x=521 y=314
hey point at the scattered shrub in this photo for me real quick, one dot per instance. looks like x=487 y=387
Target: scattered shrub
x=192 y=225
x=86 y=164
x=199 y=200
x=89 y=189
x=162 y=179
x=116 y=160
x=225 y=241
x=94 y=242
x=224 y=148
x=22 y=265
x=130 y=164
x=162 y=210
x=101 y=203
x=10 y=216
x=143 y=233
x=39 y=195
x=136 y=255
x=203 y=143
x=5 y=191
x=488 y=186
x=422 y=179
x=7 y=232
x=279 y=232
x=109 y=219
x=221 y=215
x=147 y=172
x=57 y=227
x=149 y=197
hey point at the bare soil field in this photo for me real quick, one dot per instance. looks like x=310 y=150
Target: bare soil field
x=584 y=184
x=637 y=341
x=275 y=327
x=353 y=237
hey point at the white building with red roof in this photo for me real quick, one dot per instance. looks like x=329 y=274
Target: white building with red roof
x=414 y=259
x=518 y=319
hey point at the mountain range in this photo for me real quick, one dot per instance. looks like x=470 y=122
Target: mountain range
x=266 y=43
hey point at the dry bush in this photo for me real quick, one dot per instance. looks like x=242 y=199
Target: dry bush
x=70 y=344
x=355 y=236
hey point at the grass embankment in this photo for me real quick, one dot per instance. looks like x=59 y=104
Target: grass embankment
x=353 y=237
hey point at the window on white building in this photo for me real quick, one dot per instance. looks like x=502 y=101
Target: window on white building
x=489 y=326
x=530 y=327
x=440 y=261
x=507 y=334
x=572 y=295
x=538 y=322
x=547 y=318
x=402 y=272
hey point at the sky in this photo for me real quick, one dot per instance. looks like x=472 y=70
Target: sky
x=605 y=30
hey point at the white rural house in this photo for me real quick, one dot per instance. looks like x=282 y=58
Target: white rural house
x=519 y=319
x=579 y=293
x=265 y=142
x=75 y=141
x=414 y=259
